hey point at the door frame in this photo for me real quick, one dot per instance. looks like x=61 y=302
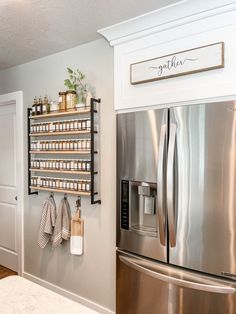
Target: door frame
x=16 y=98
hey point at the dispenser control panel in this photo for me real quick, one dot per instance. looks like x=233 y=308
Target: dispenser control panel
x=124 y=217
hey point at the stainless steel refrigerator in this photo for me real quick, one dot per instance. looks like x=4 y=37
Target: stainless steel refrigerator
x=176 y=210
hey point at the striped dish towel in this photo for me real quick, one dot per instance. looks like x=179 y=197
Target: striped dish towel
x=47 y=222
x=62 y=227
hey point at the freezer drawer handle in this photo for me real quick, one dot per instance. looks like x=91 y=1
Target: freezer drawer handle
x=133 y=263
x=170 y=186
x=160 y=185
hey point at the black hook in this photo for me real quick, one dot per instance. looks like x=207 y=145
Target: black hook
x=51 y=194
x=78 y=202
x=65 y=196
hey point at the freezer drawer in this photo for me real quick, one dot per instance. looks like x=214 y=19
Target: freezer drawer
x=146 y=287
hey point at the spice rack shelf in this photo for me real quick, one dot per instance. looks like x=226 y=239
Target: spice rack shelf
x=65 y=113
x=62 y=171
x=86 y=152
x=67 y=191
x=61 y=133
x=91 y=111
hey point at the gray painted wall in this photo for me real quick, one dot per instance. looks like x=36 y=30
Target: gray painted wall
x=91 y=276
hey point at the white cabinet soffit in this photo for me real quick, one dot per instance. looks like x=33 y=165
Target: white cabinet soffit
x=183 y=12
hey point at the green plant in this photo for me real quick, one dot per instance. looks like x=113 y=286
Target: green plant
x=75 y=81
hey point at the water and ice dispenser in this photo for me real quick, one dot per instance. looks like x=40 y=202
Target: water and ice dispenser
x=138 y=207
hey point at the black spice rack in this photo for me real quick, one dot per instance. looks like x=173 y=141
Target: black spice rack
x=33 y=189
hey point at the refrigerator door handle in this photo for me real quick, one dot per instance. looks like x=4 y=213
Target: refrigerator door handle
x=170 y=186
x=214 y=288
x=160 y=185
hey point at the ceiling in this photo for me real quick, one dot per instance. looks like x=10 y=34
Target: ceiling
x=30 y=29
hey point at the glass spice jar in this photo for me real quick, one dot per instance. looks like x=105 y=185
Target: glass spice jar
x=34 y=107
x=75 y=164
x=84 y=145
x=64 y=125
x=62 y=101
x=67 y=144
x=45 y=105
x=64 y=164
x=61 y=126
x=88 y=186
x=79 y=124
x=75 y=125
x=56 y=145
x=67 y=125
x=88 y=165
x=79 y=144
x=71 y=125
x=71 y=145
x=57 y=183
x=54 y=106
x=60 y=145
x=88 y=124
x=83 y=185
x=75 y=145
x=37 y=164
x=75 y=185
x=40 y=106
x=57 y=124
x=88 y=144
x=83 y=124
x=70 y=99
x=71 y=185
x=64 y=145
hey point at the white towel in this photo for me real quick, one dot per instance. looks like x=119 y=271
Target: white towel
x=47 y=222
x=62 y=227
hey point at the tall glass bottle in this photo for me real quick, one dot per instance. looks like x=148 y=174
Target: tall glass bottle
x=40 y=106
x=46 y=106
x=34 y=106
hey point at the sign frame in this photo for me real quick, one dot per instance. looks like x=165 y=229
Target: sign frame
x=173 y=62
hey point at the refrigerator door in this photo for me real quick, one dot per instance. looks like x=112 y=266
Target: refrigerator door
x=141 y=156
x=150 y=287
x=201 y=188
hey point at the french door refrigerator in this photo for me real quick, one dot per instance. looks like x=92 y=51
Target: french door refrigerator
x=176 y=210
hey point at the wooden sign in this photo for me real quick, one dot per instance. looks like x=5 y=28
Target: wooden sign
x=190 y=61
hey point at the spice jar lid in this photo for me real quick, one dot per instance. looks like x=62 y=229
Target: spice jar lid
x=62 y=93
x=71 y=92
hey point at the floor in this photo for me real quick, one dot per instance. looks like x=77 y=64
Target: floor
x=22 y=296
x=5 y=272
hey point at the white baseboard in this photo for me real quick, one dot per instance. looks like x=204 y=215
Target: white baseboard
x=68 y=294
x=8 y=259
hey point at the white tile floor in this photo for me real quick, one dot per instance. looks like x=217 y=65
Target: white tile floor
x=21 y=296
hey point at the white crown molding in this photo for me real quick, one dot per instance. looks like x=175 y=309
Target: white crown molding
x=181 y=13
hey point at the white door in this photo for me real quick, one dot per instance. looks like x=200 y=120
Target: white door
x=8 y=194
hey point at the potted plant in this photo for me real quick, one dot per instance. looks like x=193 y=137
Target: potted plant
x=76 y=87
